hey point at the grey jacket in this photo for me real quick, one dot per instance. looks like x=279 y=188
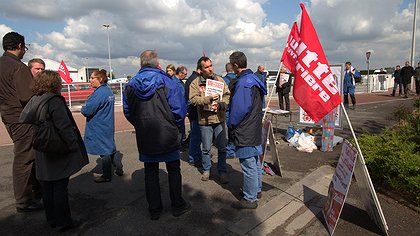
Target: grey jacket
x=50 y=167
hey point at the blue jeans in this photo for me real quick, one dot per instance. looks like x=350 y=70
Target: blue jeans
x=194 y=150
x=219 y=133
x=252 y=185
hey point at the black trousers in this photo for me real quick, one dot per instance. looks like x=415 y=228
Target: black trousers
x=284 y=97
x=56 y=202
x=25 y=185
x=153 y=187
x=346 y=99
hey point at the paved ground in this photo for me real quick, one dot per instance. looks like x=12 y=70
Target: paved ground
x=290 y=204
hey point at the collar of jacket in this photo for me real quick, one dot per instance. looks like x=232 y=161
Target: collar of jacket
x=9 y=54
x=245 y=72
x=202 y=80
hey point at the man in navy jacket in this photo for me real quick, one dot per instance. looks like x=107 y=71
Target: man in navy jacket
x=154 y=104
x=245 y=125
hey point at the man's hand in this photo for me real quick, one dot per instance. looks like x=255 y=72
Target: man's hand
x=215 y=97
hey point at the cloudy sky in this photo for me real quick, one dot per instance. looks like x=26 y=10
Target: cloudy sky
x=180 y=30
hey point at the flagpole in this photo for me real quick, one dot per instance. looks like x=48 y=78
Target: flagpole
x=271 y=93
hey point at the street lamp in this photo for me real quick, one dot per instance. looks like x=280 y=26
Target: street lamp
x=109 y=49
x=368 y=53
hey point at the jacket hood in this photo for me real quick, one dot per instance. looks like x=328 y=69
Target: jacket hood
x=253 y=80
x=146 y=81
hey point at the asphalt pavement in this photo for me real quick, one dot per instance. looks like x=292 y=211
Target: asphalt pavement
x=290 y=205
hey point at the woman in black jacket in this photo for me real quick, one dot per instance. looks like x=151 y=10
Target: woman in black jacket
x=55 y=169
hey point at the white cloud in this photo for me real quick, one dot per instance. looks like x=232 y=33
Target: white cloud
x=181 y=29
x=4 y=29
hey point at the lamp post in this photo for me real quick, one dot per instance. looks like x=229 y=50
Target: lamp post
x=109 y=49
x=368 y=53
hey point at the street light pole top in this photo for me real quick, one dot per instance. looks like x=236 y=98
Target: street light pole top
x=106 y=25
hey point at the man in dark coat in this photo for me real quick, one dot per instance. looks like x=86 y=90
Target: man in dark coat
x=154 y=104
x=15 y=92
x=406 y=73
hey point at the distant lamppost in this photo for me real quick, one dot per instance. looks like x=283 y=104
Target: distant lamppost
x=109 y=49
x=368 y=53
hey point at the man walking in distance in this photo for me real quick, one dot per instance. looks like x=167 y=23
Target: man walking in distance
x=349 y=84
x=15 y=92
x=36 y=65
x=245 y=128
x=155 y=106
x=406 y=73
x=211 y=118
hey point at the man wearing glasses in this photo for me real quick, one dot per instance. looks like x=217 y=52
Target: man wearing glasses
x=15 y=92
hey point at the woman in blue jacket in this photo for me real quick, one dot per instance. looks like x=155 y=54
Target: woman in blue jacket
x=99 y=132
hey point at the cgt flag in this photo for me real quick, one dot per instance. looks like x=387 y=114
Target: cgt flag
x=64 y=73
x=314 y=86
x=289 y=57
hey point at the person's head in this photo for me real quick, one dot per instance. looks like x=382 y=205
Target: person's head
x=149 y=58
x=14 y=43
x=205 y=65
x=36 y=65
x=47 y=81
x=238 y=60
x=170 y=69
x=229 y=68
x=261 y=68
x=348 y=65
x=283 y=69
x=418 y=64
x=398 y=67
x=407 y=63
x=98 y=77
x=181 y=72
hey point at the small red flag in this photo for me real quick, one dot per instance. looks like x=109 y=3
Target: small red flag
x=204 y=53
x=314 y=88
x=289 y=57
x=64 y=73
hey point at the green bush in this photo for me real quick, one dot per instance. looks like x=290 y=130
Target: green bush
x=393 y=157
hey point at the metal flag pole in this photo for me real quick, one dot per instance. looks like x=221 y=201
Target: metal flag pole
x=271 y=93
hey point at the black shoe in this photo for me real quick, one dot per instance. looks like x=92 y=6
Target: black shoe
x=155 y=215
x=72 y=225
x=119 y=172
x=30 y=208
x=259 y=195
x=101 y=179
x=178 y=212
x=244 y=204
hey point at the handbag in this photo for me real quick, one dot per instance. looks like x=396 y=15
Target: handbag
x=46 y=137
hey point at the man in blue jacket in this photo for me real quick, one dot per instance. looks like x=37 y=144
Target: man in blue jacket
x=245 y=125
x=349 y=84
x=154 y=104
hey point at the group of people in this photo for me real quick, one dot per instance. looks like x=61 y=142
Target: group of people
x=402 y=79
x=156 y=104
x=40 y=178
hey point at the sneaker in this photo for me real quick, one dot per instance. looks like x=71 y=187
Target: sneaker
x=224 y=179
x=244 y=204
x=205 y=176
x=178 y=212
x=101 y=179
x=155 y=215
x=30 y=208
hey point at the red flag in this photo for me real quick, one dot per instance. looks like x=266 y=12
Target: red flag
x=64 y=73
x=314 y=87
x=204 y=53
x=289 y=57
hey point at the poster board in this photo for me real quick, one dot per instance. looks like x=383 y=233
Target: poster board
x=213 y=87
x=368 y=195
x=339 y=186
x=268 y=134
x=338 y=71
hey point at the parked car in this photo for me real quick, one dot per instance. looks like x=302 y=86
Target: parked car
x=78 y=92
x=116 y=87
